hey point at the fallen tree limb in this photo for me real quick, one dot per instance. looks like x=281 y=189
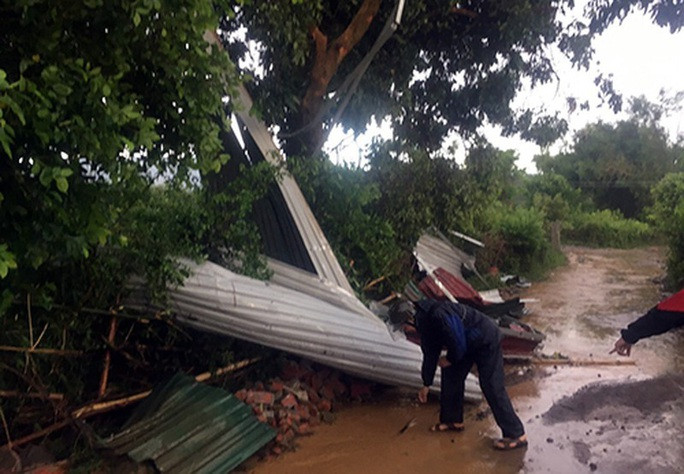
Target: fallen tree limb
x=225 y=370
x=102 y=407
x=18 y=394
x=35 y=350
x=373 y=283
x=581 y=362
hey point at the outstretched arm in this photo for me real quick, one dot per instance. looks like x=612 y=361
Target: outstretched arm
x=622 y=348
x=656 y=321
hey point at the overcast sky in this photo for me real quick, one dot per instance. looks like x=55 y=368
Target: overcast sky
x=642 y=58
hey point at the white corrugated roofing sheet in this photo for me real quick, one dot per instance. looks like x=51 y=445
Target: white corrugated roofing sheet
x=434 y=251
x=319 y=249
x=220 y=301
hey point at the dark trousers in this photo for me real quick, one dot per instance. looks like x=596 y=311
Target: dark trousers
x=489 y=362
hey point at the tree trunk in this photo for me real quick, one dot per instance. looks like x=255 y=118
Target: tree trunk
x=327 y=58
x=556 y=235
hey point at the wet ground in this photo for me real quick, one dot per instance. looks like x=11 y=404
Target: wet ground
x=601 y=418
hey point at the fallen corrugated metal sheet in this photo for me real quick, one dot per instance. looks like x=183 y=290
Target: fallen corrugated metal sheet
x=434 y=251
x=313 y=285
x=218 y=300
x=185 y=426
x=314 y=315
x=319 y=249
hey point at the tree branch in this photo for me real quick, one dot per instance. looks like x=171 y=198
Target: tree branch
x=464 y=12
x=329 y=56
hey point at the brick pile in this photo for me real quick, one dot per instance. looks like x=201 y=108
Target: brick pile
x=300 y=399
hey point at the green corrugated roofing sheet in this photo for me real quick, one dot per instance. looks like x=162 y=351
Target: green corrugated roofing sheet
x=188 y=427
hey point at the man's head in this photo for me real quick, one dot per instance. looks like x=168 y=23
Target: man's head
x=401 y=312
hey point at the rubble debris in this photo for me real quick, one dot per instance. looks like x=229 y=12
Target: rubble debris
x=303 y=396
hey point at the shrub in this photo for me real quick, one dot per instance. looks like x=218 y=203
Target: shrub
x=517 y=241
x=667 y=214
x=606 y=228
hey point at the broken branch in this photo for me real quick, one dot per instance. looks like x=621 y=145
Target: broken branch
x=581 y=362
x=60 y=352
x=373 y=283
x=102 y=407
x=18 y=394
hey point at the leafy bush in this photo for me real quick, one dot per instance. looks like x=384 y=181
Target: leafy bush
x=342 y=199
x=516 y=241
x=606 y=228
x=667 y=214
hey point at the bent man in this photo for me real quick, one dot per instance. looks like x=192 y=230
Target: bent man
x=469 y=337
x=665 y=316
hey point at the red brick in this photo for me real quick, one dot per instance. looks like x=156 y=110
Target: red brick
x=304 y=428
x=338 y=386
x=313 y=396
x=277 y=450
x=324 y=405
x=262 y=397
x=317 y=381
x=327 y=392
x=360 y=389
x=277 y=386
x=241 y=395
x=288 y=401
x=288 y=435
x=288 y=372
x=303 y=411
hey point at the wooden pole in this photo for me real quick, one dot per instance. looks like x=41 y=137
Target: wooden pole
x=35 y=350
x=18 y=394
x=102 y=407
x=581 y=362
x=108 y=358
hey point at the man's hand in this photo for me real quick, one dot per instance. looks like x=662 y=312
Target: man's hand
x=622 y=348
x=423 y=394
x=443 y=362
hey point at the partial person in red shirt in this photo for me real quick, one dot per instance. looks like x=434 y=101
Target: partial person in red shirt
x=665 y=316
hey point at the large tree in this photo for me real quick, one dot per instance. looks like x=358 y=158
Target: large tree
x=98 y=101
x=618 y=164
x=450 y=66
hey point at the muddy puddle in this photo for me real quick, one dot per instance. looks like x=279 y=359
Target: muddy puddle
x=601 y=418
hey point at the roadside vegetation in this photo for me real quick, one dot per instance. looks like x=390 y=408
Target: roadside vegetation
x=113 y=117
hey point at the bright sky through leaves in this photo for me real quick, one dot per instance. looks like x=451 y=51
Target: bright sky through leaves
x=642 y=58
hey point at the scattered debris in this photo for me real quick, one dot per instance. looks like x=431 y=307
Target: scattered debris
x=300 y=399
x=411 y=423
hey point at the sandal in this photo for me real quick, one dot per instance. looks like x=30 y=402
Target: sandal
x=506 y=444
x=443 y=427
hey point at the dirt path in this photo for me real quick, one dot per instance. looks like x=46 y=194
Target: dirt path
x=579 y=419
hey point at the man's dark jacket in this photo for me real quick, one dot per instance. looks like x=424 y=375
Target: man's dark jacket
x=435 y=323
x=666 y=315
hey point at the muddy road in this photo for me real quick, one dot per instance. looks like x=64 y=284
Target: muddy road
x=602 y=418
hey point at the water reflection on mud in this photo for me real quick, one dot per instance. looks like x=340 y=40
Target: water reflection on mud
x=614 y=425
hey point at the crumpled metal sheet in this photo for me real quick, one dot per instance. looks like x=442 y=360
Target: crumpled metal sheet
x=320 y=252
x=217 y=300
x=434 y=251
x=185 y=426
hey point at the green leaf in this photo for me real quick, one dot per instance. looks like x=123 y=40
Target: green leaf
x=106 y=90
x=62 y=89
x=62 y=184
x=46 y=177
